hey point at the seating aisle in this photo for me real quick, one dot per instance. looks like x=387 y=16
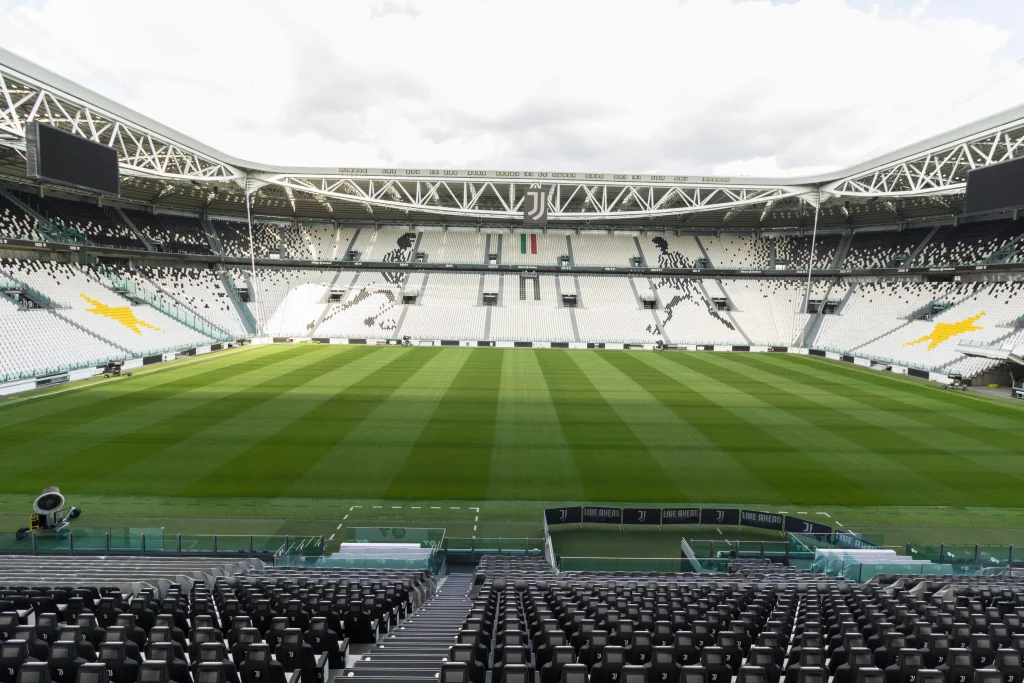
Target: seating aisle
x=416 y=649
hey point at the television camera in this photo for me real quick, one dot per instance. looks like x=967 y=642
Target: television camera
x=49 y=513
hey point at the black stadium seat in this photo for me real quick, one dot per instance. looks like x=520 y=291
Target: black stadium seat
x=64 y=661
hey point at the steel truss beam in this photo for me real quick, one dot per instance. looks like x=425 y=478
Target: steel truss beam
x=148 y=150
x=141 y=151
x=941 y=170
x=497 y=199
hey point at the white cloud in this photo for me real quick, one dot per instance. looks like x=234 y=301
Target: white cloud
x=695 y=86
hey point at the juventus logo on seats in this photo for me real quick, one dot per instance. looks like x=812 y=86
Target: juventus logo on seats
x=643 y=515
x=563 y=515
x=719 y=515
x=807 y=527
x=535 y=206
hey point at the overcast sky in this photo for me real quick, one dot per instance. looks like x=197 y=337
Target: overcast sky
x=741 y=87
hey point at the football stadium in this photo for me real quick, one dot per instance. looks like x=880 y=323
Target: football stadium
x=503 y=425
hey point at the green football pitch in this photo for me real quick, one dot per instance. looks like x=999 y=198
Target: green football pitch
x=300 y=437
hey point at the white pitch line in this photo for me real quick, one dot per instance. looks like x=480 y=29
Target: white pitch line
x=455 y=508
x=339 y=527
x=435 y=507
x=801 y=513
x=477 y=518
x=719 y=532
x=783 y=512
x=344 y=518
x=415 y=507
x=838 y=523
x=474 y=528
x=376 y=507
x=331 y=538
x=475 y=509
x=396 y=507
x=824 y=513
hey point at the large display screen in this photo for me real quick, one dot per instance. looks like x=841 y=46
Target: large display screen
x=997 y=187
x=59 y=157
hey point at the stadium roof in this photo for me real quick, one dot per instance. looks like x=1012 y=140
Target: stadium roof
x=163 y=167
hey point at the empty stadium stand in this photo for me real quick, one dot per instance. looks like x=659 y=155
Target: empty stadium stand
x=68 y=316
x=234 y=238
x=14 y=222
x=971 y=244
x=512 y=619
x=64 y=315
x=101 y=225
x=170 y=232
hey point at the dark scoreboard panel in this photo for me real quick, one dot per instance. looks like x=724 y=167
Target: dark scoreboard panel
x=996 y=187
x=56 y=156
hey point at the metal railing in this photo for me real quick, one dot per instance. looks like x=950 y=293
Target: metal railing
x=146 y=542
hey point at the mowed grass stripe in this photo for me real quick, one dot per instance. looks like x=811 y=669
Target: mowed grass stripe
x=210 y=459
x=927 y=395
x=823 y=433
x=612 y=462
x=528 y=438
x=456 y=443
x=697 y=466
x=822 y=453
x=272 y=462
x=728 y=418
x=101 y=468
x=888 y=434
x=403 y=396
x=997 y=419
x=937 y=446
x=719 y=460
x=24 y=422
x=24 y=456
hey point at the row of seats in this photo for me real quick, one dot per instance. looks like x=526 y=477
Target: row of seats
x=101 y=225
x=758 y=624
x=252 y=629
x=886 y=319
x=972 y=243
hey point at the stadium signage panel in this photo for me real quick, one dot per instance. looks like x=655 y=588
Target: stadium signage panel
x=564 y=515
x=848 y=540
x=680 y=516
x=596 y=515
x=720 y=516
x=761 y=520
x=535 y=206
x=795 y=525
x=534 y=175
x=641 y=516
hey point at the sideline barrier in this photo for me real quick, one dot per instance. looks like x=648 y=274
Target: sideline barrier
x=155 y=542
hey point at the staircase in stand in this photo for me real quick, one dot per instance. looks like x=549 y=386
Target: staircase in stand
x=251 y=327
x=135 y=230
x=414 y=650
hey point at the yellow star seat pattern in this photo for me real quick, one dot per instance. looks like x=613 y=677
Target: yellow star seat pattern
x=943 y=332
x=122 y=314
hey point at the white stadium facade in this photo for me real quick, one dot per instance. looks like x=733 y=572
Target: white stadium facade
x=874 y=264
